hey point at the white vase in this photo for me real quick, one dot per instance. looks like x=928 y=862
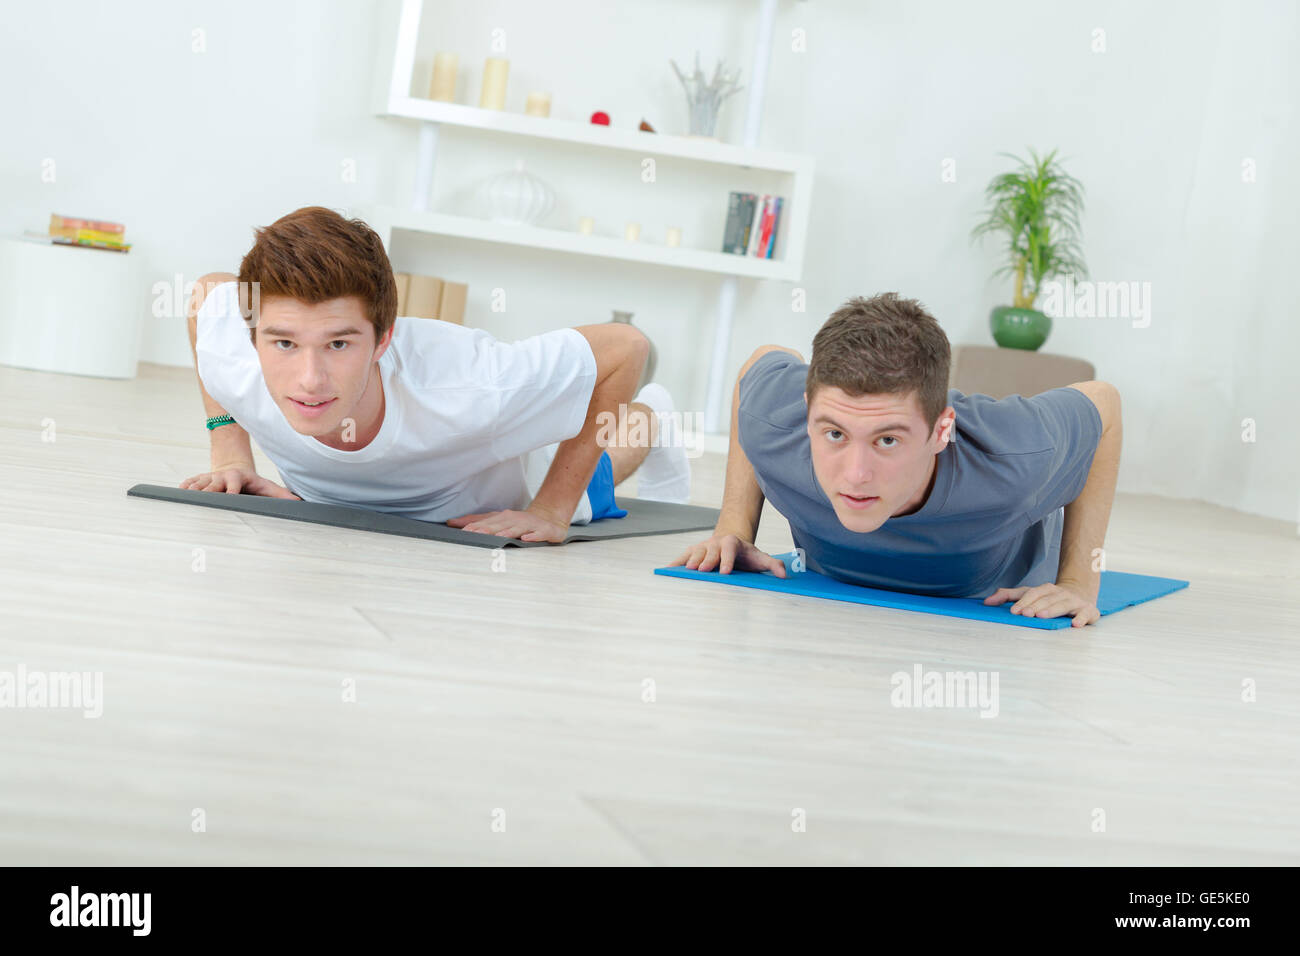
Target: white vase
x=516 y=197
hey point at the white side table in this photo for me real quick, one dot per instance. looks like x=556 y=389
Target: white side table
x=70 y=309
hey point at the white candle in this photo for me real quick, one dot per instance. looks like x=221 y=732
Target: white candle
x=443 y=87
x=674 y=237
x=495 y=72
x=539 y=104
x=632 y=232
x=586 y=225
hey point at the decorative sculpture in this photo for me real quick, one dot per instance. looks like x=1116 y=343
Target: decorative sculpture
x=705 y=99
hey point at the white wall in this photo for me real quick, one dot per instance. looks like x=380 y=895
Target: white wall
x=192 y=150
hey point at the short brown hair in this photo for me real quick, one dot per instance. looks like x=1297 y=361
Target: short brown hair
x=313 y=255
x=883 y=345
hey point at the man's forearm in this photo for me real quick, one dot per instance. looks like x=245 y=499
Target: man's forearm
x=574 y=464
x=1086 y=517
x=620 y=354
x=229 y=443
x=742 y=499
x=232 y=447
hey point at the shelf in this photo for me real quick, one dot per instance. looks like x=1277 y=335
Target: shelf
x=589 y=134
x=394 y=79
x=384 y=219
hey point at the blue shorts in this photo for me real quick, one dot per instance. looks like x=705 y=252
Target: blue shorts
x=600 y=491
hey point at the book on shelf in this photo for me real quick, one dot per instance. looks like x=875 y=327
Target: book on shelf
x=767 y=233
x=85 y=243
x=740 y=216
x=756 y=227
x=58 y=222
x=92 y=244
x=776 y=225
x=95 y=235
x=91 y=233
x=753 y=222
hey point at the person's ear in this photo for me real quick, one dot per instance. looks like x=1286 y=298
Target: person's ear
x=946 y=426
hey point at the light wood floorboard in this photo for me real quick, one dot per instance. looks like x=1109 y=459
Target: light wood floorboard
x=522 y=691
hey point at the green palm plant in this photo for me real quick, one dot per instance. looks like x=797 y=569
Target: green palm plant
x=1035 y=208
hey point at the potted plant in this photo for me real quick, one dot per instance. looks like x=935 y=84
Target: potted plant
x=1036 y=208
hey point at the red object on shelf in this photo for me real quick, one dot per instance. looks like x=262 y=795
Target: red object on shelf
x=599 y=118
x=765 y=233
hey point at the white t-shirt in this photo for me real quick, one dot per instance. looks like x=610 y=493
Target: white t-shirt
x=466 y=416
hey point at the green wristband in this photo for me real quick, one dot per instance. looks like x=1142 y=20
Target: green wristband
x=219 y=421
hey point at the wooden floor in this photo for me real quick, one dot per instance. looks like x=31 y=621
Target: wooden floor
x=502 y=717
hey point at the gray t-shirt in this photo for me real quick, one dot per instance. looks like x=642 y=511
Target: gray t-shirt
x=994 y=515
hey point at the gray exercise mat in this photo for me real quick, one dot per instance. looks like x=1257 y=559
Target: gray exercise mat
x=643 y=517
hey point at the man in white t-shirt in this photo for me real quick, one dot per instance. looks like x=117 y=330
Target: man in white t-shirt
x=303 y=352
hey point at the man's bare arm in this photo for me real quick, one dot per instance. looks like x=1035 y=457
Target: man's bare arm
x=621 y=352
x=230 y=443
x=1087 y=516
x=731 y=545
x=1084 y=531
x=742 y=499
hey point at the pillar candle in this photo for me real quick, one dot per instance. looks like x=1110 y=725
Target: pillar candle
x=495 y=71
x=632 y=232
x=674 y=236
x=586 y=225
x=443 y=86
x=539 y=104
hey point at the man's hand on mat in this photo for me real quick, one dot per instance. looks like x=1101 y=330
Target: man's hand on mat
x=1049 y=600
x=525 y=525
x=236 y=479
x=727 y=552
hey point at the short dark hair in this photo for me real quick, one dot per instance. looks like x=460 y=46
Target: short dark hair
x=883 y=345
x=313 y=255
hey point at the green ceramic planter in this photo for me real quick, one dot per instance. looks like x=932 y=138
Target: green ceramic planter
x=1015 y=328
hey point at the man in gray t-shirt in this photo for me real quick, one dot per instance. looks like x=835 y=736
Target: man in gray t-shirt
x=889 y=479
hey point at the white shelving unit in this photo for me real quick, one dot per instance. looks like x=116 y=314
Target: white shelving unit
x=394 y=72
x=588 y=134
x=385 y=219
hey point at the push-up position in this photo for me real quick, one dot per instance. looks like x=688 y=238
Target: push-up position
x=304 y=352
x=890 y=479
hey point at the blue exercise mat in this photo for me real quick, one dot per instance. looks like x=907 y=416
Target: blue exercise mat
x=1118 y=591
